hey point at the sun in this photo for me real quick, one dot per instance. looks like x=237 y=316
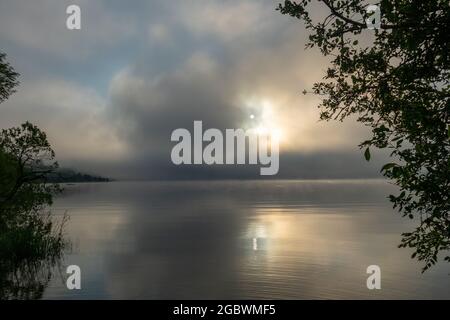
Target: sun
x=262 y=118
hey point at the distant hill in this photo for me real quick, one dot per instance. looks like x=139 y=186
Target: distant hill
x=68 y=175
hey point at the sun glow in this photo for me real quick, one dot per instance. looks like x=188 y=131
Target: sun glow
x=263 y=119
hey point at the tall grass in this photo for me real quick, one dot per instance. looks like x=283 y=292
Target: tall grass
x=30 y=248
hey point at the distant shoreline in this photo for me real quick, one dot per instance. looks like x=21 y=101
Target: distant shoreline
x=71 y=176
x=240 y=180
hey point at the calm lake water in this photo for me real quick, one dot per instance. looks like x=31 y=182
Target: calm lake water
x=239 y=240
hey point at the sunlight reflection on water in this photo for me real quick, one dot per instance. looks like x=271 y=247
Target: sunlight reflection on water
x=239 y=239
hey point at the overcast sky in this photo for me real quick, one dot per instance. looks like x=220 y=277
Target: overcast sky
x=109 y=95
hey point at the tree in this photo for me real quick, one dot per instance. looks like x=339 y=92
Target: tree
x=8 y=78
x=28 y=159
x=8 y=82
x=30 y=242
x=398 y=85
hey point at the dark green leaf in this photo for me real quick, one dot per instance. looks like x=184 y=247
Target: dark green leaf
x=367 y=154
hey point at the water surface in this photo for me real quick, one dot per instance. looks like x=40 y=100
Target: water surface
x=239 y=240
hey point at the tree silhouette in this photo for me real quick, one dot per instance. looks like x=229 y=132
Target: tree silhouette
x=8 y=78
x=399 y=86
x=31 y=244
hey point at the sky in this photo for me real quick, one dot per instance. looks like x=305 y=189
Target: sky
x=109 y=95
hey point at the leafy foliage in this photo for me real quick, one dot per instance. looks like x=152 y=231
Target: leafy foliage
x=8 y=78
x=398 y=84
x=30 y=242
x=28 y=159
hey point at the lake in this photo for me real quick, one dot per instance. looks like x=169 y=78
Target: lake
x=239 y=240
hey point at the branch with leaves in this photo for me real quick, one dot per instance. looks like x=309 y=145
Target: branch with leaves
x=396 y=81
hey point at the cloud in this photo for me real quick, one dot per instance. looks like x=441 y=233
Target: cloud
x=40 y=26
x=110 y=95
x=226 y=20
x=73 y=116
x=147 y=109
